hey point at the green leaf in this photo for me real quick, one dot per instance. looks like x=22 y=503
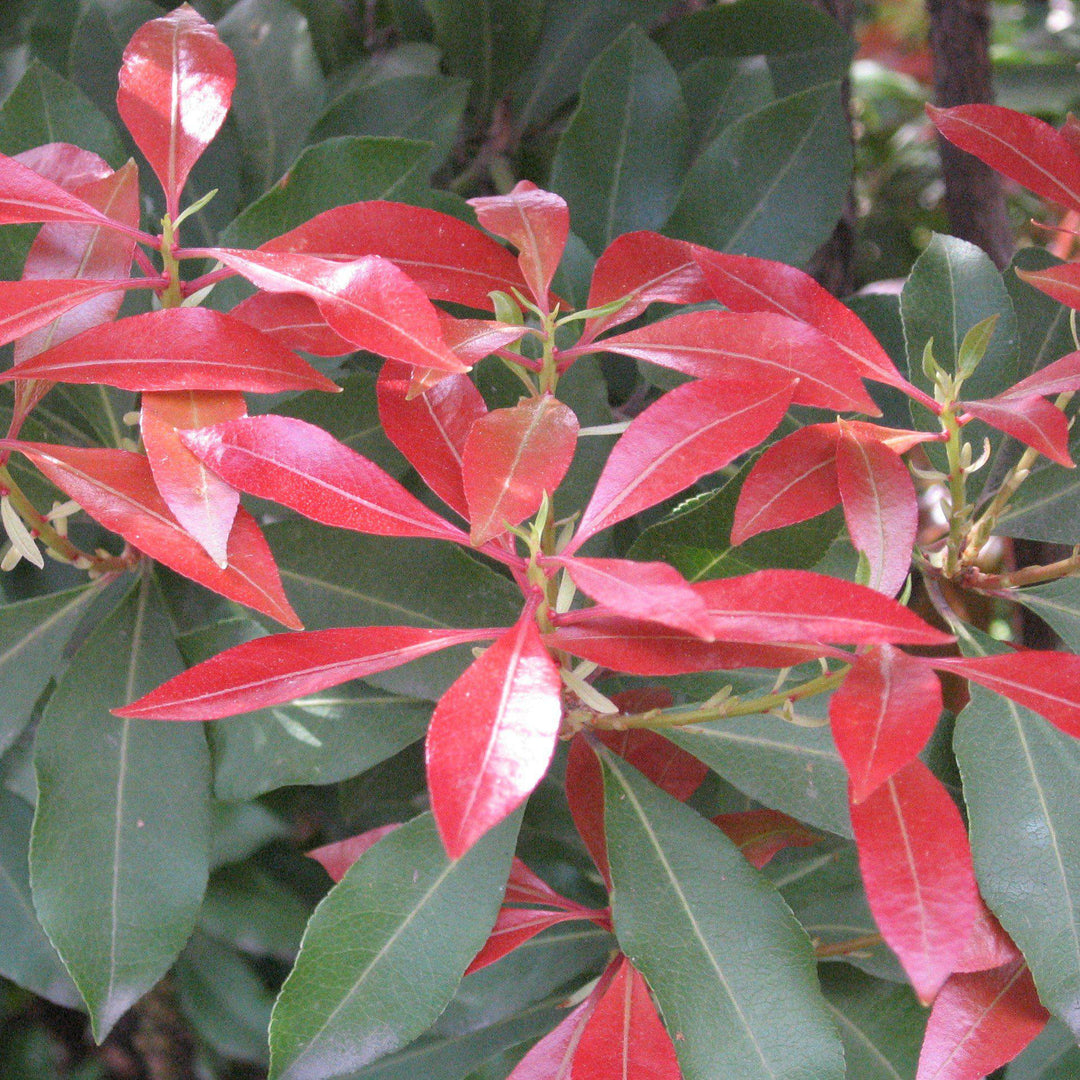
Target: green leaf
x=622 y=158
x=1057 y=603
x=386 y=949
x=33 y=634
x=27 y=957
x=335 y=33
x=1042 y=323
x=1020 y=779
x=239 y=829
x=120 y=845
x=720 y=90
x=772 y=184
x=1054 y=1055
x=733 y=972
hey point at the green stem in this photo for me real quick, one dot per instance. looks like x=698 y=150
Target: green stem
x=958 y=513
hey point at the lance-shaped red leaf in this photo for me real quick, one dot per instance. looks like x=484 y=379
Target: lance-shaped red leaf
x=64 y=164
x=882 y=715
x=694 y=429
x=512 y=459
x=525 y=887
x=585 y=798
x=799 y=606
x=293 y=321
x=271 y=670
x=1045 y=682
x=624 y=1039
x=653 y=591
x=337 y=857
x=917 y=869
x=301 y=466
x=447 y=258
x=116 y=488
x=431 y=428
x=760 y=834
x=473 y=339
x=988 y=946
x=1032 y=420
x=793 y=480
x=881 y=508
x=722 y=344
x=200 y=500
x=899 y=440
x=492 y=735
x=175 y=349
x=537 y=223
x=979 y=1022
x=369 y=302
x=1024 y=149
x=176 y=83
x=513 y=927
x=26 y=305
x=1056 y=378
x=553 y=1056
x=1060 y=282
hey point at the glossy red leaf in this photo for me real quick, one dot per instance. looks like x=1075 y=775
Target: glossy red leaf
x=473 y=339
x=537 y=223
x=799 y=606
x=1045 y=682
x=760 y=834
x=722 y=344
x=303 y=467
x=668 y=766
x=1032 y=420
x=881 y=509
x=653 y=591
x=917 y=870
x=447 y=258
x=176 y=83
x=1056 y=378
x=431 y=428
x=1021 y=147
x=369 y=302
x=692 y=430
x=900 y=440
x=27 y=305
x=200 y=500
x=293 y=321
x=271 y=670
x=793 y=480
x=1060 y=282
x=585 y=798
x=551 y=1058
x=624 y=1039
x=116 y=488
x=979 y=1022
x=336 y=858
x=988 y=946
x=64 y=164
x=882 y=715
x=492 y=735
x=175 y=349
x=512 y=459
x=513 y=927
x=525 y=887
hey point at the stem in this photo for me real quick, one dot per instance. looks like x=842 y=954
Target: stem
x=958 y=513
x=845 y=948
x=173 y=294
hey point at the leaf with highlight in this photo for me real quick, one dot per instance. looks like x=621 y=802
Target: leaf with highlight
x=1032 y=420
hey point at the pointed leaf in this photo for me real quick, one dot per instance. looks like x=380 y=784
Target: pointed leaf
x=552 y=1057
x=760 y=834
x=473 y=339
x=1032 y=420
x=27 y=305
x=988 y=947
x=176 y=83
x=512 y=459
x=301 y=466
x=291 y=320
x=1055 y=378
x=916 y=866
x=979 y=1022
x=338 y=857
x=694 y=429
x=492 y=736
x=525 y=887
x=668 y=766
x=882 y=715
x=585 y=798
x=513 y=927
x=881 y=509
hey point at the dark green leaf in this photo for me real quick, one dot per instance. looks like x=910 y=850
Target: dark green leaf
x=1057 y=603
x=720 y=90
x=120 y=847
x=733 y=972
x=385 y=950
x=239 y=829
x=1042 y=323
x=336 y=32
x=1054 y=1055
x=246 y=908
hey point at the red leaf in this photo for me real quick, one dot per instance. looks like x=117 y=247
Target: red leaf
x=1024 y=149
x=175 y=349
x=799 y=606
x=694 y=429
x=668 y=766
x=624 y=1039
x=1032 y=420
x=513 y=927
x=116 y=488
x=900 y=440
x=537 y=223
x=882 y=715
x=722 y=344
x=448 y=259
x=1060 y=282
x=1045 y=682
x=760 y=834
x=336 y=858
x=979 y=1022
x=473 y=339
x=64 y=164
x=524 y=887
x=512 y=459
x=585 y=797
x=793 y=480
x=176 y=83
x=201 y=501
x=431 y=429
x=301 y=466
x=1055 y=378
x=552 y=1057
x=26 y=305
x=369 y=302
x=881 y=509
x=293 y=321
x=281 y=667
x=916 y=866
x=988 y=946
x=653 y=591
x=492 y=735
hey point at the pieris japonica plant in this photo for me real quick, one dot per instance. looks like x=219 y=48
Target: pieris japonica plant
x=720 y=713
